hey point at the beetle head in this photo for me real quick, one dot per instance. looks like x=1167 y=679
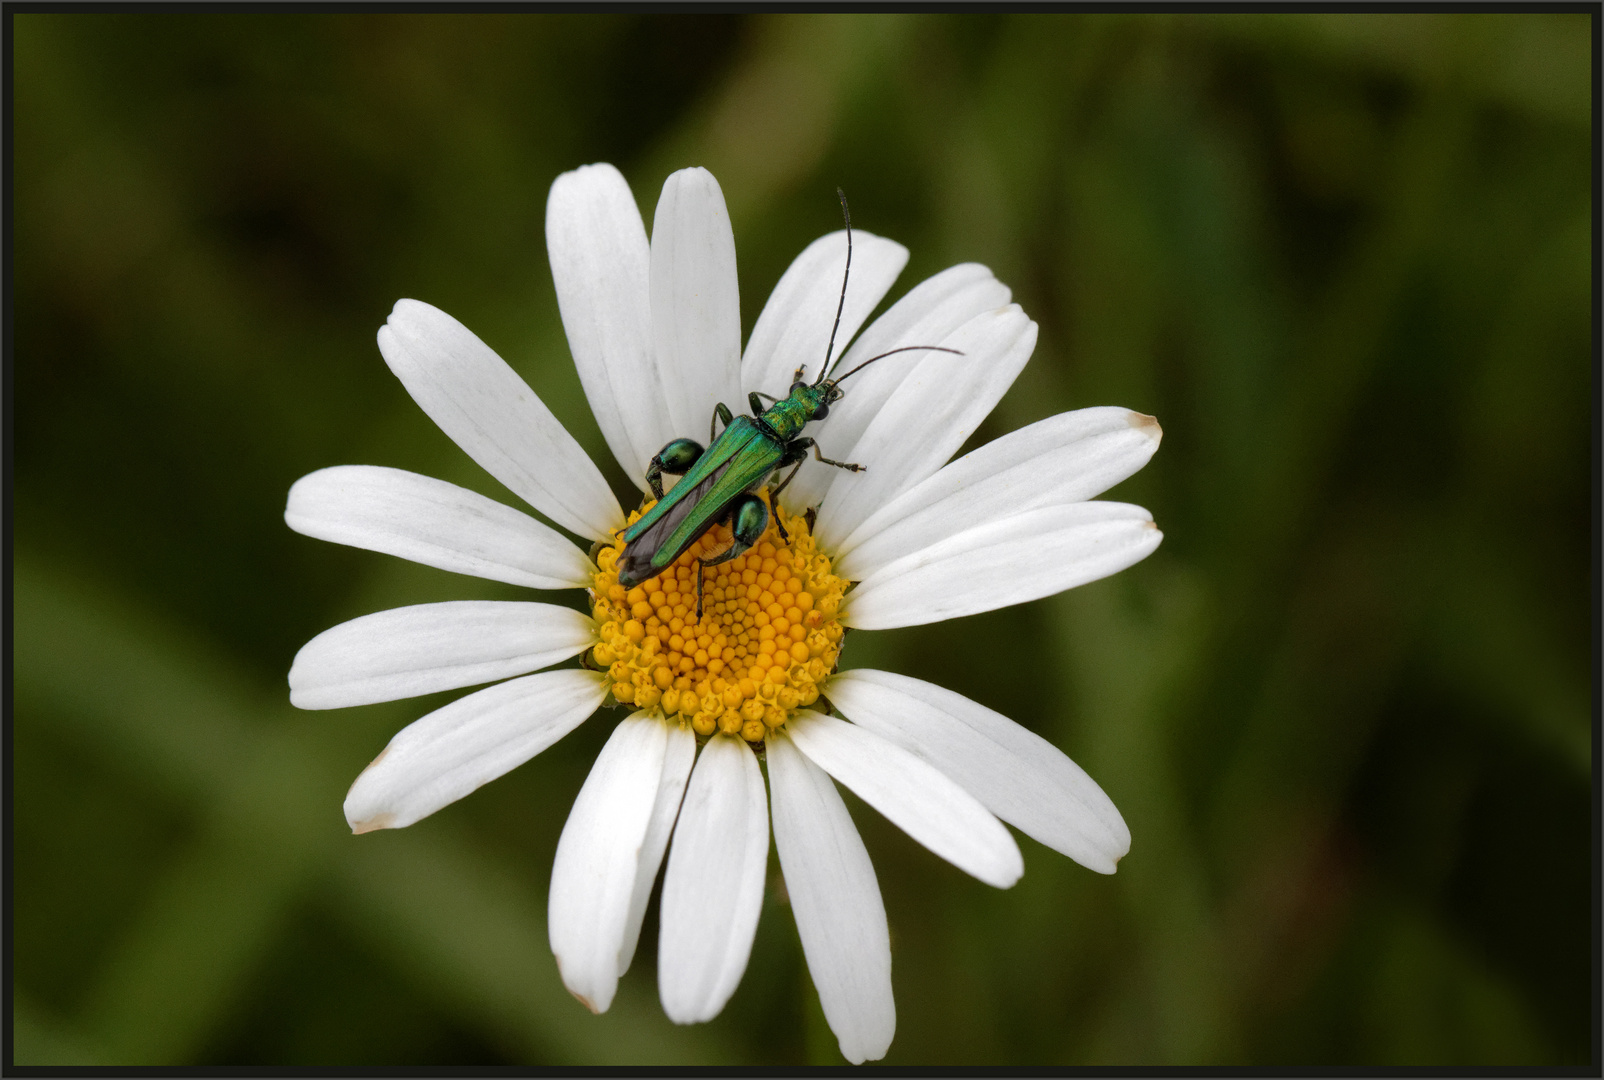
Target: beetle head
x=817 y=395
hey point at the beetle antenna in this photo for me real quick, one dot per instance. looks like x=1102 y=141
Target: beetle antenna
x=905 y=348
x=842 y=303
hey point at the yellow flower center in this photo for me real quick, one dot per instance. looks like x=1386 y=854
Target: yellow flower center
x=767 y=638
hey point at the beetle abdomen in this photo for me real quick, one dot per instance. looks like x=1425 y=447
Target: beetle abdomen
x=645 y=556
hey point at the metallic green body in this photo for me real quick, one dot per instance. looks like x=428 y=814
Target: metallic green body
x=739 y=460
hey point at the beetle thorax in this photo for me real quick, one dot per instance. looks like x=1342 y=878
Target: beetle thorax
x=788 y=416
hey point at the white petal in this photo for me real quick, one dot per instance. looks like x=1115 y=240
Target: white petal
x=929 y=312
x=600 y=262
x=931 y=414
x=1002 y=562
x=1015 y=773
x=437 y=524
x=713 y=888
x=1066 y=458
x=491 y=413
x=677 y=760
x=436 y=760
x=696 y=304
x=598 y=859
x=836 y=899
x=409 y=651
x=794 y=328
x=916 y=797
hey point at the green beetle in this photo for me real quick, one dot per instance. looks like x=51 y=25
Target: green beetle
x=719 y=481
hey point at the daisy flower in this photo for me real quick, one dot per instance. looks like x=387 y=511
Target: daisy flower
x=654 y=327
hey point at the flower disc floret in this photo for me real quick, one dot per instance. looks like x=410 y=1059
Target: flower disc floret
x=767 y=639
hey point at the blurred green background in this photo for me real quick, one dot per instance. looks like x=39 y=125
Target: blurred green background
x=1345 y=708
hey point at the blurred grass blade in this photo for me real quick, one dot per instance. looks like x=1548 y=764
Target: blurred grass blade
x=268 y=789
x=475 y=935
x=37 y=1039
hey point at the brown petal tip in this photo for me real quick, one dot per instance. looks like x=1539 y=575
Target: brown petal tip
x=1148 y=424
x=378 y=821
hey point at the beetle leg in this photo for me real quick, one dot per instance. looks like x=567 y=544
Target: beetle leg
x=797 y=449
x=781 y=487
x=774 y=495
x=847 y=465
x=796 y=452
x=722 y=412
x=748 y=517
x=755 y=400
x=675 y=459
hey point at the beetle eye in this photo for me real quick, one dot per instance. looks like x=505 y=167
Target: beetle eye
x=797 y=385
x=821 y=412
